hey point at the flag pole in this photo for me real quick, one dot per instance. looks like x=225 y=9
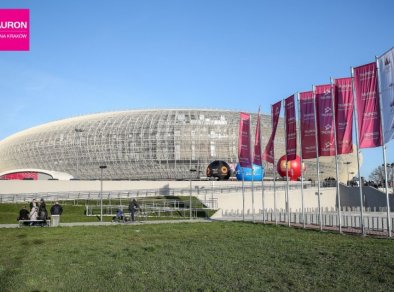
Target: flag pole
x=317 y=158
x=273 y=169
x=262 y=192
x=243 y=194
x=252 y=193
x=384 y=152
x=358 y=154
x=301 y=161
x=336 y=154
x=261 y=165
x=287 y=169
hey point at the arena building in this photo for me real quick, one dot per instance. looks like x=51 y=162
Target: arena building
x=160 y=144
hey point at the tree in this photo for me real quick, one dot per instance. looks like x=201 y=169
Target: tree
x=377 y=175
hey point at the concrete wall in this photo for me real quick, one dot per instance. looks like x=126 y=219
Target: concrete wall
x=233 y=201
x=372 y=198
x=227 y=193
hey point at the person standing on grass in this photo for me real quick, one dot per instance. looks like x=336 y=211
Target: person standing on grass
x=42 y=212
x=56 y=209
x=33 y=212
x=133 y=208
x=33 y=202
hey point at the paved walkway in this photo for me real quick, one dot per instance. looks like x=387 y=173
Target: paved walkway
x=116 y=223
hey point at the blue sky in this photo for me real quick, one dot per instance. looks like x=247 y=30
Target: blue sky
x=94 y=56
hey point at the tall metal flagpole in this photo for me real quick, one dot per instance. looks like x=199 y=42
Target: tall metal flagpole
x=301 y=161
x=253 y=194
x=273 y=169
x=251 y=165
x=336 y=155
x=262 y=192
x=384 y=153
x=262 y=176
x=287 y=169
x=317 y=158
x=358 y=155
x=243 y=194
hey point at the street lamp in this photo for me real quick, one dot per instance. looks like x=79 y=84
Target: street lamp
x=190 y=197
x=78 y=131
x=347 y=170
x=101 y=191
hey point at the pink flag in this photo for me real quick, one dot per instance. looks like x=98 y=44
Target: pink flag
x=307 y=117
x=269 y=149
x=291 y=129
x=257 y=143
x=344 y=115
x=244 y=150
x=367 y=99
x=325 y=120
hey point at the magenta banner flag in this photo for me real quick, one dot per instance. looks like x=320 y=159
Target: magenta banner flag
x=269 y=149
x=367 y=100
x=344 y=114
x=325 y=120
x=244 y=150
x=291 y=128
x=307 y=118
x=257 y=143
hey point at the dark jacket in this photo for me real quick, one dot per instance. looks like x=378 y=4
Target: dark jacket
x=42 y=212
x=56 y=210
x=133 y=206
x=23 y=214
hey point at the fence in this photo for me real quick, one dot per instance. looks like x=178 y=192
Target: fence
x=373 y=221
x=128 y=194
x=168 y=208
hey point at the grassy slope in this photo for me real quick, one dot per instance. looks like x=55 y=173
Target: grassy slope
x=207 y=256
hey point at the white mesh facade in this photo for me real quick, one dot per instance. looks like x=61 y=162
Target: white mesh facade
x=140 y=144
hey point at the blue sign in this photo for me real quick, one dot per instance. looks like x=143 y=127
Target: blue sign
x=258 y=172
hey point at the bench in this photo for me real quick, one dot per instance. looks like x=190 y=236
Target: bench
x=32 y=223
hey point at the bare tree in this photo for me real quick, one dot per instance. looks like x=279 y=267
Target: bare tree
x=377 y=175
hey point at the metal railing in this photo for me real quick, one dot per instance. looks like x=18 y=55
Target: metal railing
x=127 y=194
x=373 y=221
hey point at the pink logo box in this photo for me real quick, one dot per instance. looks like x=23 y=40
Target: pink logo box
x=14 y=30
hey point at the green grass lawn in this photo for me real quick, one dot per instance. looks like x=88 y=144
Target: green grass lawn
x=74 y=211
x=192 y=257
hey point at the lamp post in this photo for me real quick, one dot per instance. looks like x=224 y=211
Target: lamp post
x=347 y=170
x=101 y=191
x=190 y=197
x=78 y=131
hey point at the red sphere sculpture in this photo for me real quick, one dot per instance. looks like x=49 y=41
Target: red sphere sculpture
x=293 y=166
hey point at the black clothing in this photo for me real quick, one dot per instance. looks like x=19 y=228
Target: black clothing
x=133 y=208
x=56 y=210
x=42 y=212
x=23 y=214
